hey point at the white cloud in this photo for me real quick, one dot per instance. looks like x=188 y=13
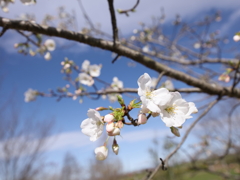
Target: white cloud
x=72 y=140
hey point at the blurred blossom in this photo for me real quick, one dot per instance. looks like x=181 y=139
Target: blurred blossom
x=224 y=77
x=133 y=38
x=236 y=37
x=101 y=153
x=116 y=84
x=197 y=45
x=168 y=84
x=66 y=66
x=135 y=31
x=145 y=49
x=85 y=79
x=50 y=44
x=30 y=95
x=47 y=56
x=85 y=65
x=94 y=70
x=28 y=2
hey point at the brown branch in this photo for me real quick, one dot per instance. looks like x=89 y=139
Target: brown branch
x=123 y=51
x=165 y=162
x=114 y=22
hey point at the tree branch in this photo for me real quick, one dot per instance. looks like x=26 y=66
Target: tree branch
x=122 y=51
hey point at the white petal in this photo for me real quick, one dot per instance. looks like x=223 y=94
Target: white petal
x=85 y=65
x=162 y=96
x=95 y=70
x=144 y=82
x=152 y=107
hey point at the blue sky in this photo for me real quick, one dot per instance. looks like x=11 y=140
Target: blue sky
x=23 y=72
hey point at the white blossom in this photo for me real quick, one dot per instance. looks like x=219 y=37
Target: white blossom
x=101 y=153
x=30 y=95
x=177 y=111
x=85 y=79
x=92 y=126
x=197 y=45
x=236 y=38
x=28 y=2
x=152 y=100
x=95 y=70
x=145 y=49
x=168 y=84
x=47 y=56
x=116 y=84
x=50 y=44
x=85 y=65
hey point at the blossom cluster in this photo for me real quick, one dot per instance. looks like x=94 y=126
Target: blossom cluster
x=170 y=106
x=89 y=71
x=4 y=3
x=172 y=109
x=43 y=48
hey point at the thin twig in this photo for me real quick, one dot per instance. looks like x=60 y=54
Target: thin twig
x=129 y=10
x=28 y=38
x=159 y=79
x=113 y=61
x=114 y=22
x=165 y=162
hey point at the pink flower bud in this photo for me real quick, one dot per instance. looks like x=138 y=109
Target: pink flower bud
x=101 y=153
x=108 y=118
x=142 y=119
x=110 y=127
x=115 y=132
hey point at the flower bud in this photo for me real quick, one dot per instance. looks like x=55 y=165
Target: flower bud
x=101 y=153
x=175 y=131
x=119 y=124
x=115 y=132
x=110 y=127
x=108 y=118
x=115 y=148
x=142 y=119
x=101 y=108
